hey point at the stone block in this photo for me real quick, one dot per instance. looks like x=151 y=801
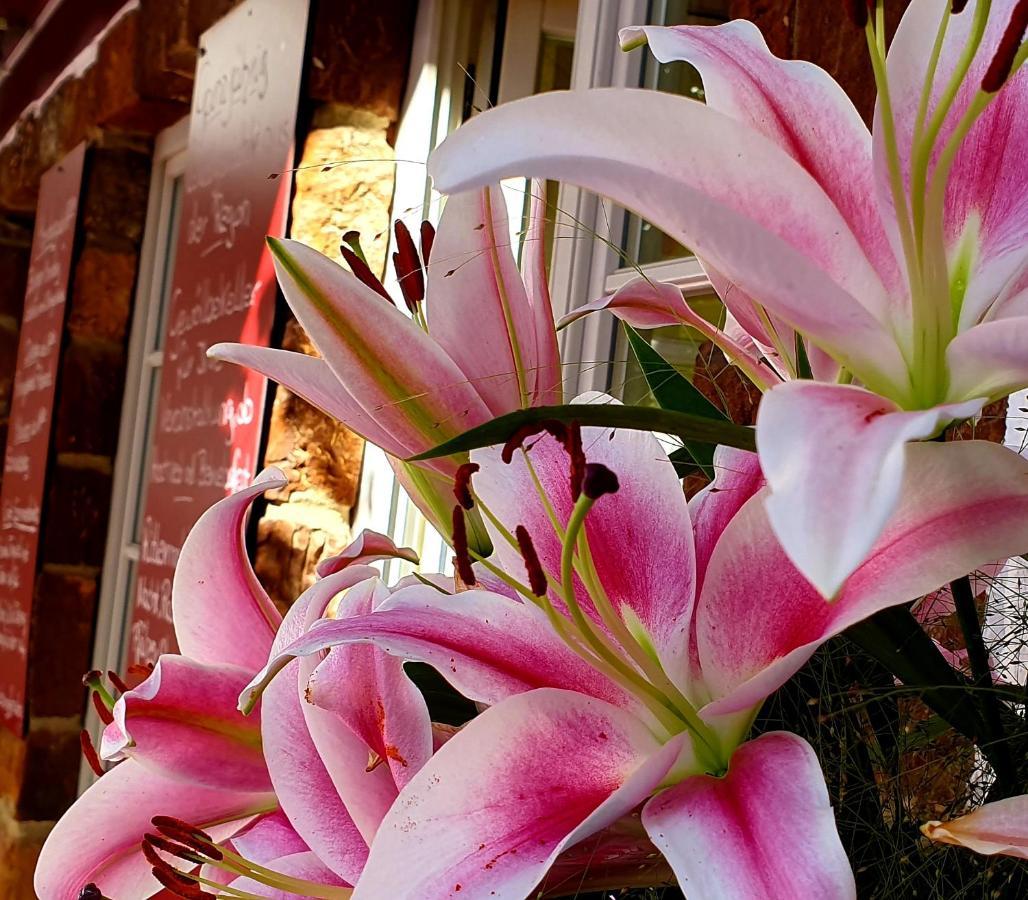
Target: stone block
x=92 y=379
x=61 y=643
x=20 y=169
x=114 y=201
x=102 y=292
x=75 y=516
x=336 y=192
x=360 y=53
x=51 y=770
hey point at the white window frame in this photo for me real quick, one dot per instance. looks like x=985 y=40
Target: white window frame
x=145 y=359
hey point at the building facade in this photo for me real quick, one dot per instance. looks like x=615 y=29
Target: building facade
x=157 y=103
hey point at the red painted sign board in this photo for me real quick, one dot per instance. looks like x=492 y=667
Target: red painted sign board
x=28 y=434
x=209 y=414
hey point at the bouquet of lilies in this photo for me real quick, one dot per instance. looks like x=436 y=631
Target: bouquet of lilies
x=617 y=640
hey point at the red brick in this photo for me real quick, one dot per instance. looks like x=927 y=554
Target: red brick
x=59 y=656
x=91 y=385
x=14 y=267
x=102 y=292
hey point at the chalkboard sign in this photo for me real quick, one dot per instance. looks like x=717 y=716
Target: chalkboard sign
x=208 y=418
x=28 y=434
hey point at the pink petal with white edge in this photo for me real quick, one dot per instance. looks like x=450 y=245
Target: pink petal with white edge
x=549 y=375
x=989 y=179
x=475 y=302
x=754 y=214
x=496 y=804
x=989 y=360
x=98 y=839
x=998 y=827
x=487 y=646
x=369 y=691
x=758 y=619
x=222 y=614
x=268 y=837
x=368 y=547
x=632 y=533
x=183 y=722
x=312 y=803
x=398 y=374
x=311 y=378
x=833 y=456
x=765 y=831
x=794 y=104
x=305 y=866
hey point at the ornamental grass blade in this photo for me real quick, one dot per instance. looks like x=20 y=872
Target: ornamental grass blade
x=687 y=426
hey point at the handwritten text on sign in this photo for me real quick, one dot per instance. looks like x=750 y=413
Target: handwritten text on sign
x=209 y=414
x=28 y=436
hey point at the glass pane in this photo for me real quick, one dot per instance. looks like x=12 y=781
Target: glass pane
x=174 y=211
x=641 y=241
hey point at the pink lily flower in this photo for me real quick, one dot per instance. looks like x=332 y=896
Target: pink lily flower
x=626 y=673
x=997 y=827
x=483 y=344
x=898 y=255
x=190 y=755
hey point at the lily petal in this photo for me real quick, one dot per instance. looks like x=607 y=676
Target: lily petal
x=998 y=827
x=989 y=179
x=962 y=504
x=183 y=722
x=401 y=376
x=754 y=214
x=549 y=375
x=312 y=379
x=312 y=803
x=764 y=830
x=222 y=614
x=98 y=839
x=476 y=304
x=368 y=547
x=796 y=105
x=493 y=808
x=989 y=360
x=370 y=692
x=833 y=492
x=304 y=865
x=632 y=533
x=487 y=646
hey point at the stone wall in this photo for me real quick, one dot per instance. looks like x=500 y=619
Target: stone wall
x=141 y=82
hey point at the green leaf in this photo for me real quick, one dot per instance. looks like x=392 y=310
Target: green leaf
x=687 y=426
x=896 y=639
x=672 y=390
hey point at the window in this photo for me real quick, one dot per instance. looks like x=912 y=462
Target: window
x=467 y=57
x=142 y=380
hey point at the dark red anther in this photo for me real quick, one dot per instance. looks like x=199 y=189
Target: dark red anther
x=363 y=273
x=427 y=239
x=958 y=6
x=462 y=484
x=141 y=669
x=175 y=849
x=408 y=267
x=1003 y=59
x=89 y=752
x=536 y=575
x=92 y=679
x=462 y=557
x=573 y=446
x=514 y=442
x=91 y=892
x=114 y=678
x=183 y=832
x=101 y=709
x=180 y=885
x=598 y=480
